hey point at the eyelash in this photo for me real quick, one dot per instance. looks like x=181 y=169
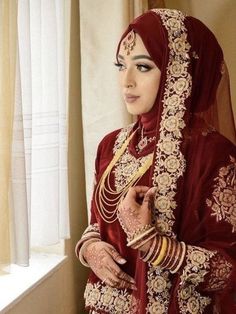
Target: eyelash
x=139 y=67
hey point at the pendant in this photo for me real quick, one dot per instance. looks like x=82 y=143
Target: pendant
x=142 y=143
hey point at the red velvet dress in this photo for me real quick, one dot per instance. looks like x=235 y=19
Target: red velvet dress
x=205 y=219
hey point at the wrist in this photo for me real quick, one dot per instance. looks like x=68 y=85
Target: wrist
x=144 y=248
x=82 y=255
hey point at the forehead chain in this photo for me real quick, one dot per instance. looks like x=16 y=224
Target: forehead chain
x=129 y=42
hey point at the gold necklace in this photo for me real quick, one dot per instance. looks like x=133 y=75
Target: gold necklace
x=101 y=198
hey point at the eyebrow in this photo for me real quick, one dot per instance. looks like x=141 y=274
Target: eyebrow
x=137 y=57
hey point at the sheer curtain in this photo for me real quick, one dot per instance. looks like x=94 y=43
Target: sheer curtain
x=39 y=185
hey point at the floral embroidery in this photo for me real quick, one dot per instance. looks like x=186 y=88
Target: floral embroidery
x=110 y=300
x=223 y=204
x=122 y=136
x=221 y=271
x=169 y=161
x=128 y=166
x=197 y=266
x=159 y=290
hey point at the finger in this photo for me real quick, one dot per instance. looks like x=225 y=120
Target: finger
x=136 y=191
x=115 y=255
x=148 y=199
x=125 y=277
x=117 y=272
x=114 y=281
x=125 y=285
x=120 y=285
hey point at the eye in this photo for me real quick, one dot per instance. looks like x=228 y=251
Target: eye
x=143 y=67
x=120 y=66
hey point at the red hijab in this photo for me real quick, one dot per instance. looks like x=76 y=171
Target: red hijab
x=205 y=65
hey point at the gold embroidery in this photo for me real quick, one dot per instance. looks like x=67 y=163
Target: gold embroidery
x=159 y=285
x=197 y=266
x=121 y=137
x=223 y=202
x=169 y=161
x=110 y=300
x=221 y=271
x=126 y=168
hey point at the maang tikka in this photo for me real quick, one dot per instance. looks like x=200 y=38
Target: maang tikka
x=130 y=41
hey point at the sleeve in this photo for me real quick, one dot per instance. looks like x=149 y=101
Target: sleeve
x=210 y=267
x=212 y=263
x=91 y=233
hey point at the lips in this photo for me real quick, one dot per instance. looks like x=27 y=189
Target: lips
x=129 y=98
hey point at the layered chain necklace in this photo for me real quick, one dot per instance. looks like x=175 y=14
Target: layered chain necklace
x=107 y=198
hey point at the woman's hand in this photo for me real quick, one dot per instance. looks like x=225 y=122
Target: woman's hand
x=102 y=259
x=135 y=211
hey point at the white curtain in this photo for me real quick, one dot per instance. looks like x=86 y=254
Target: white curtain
x=39 y=154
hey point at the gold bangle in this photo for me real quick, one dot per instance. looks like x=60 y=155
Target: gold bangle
x=181 y=259
x=162 y=252
x=140 y=236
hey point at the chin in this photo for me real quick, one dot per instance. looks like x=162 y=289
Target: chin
x=135 y=111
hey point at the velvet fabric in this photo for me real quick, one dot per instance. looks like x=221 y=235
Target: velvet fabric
x=202 y=195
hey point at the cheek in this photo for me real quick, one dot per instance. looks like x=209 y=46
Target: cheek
x=152 y=88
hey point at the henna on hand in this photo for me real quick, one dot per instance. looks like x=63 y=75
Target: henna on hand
x=131 y=214
x=102 y=259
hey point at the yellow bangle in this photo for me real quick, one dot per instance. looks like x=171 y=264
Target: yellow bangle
x=162 y=252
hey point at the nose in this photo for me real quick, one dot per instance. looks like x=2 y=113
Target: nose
x=128 y=79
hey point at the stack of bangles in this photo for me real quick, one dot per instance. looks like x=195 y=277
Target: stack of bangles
x=166 y=253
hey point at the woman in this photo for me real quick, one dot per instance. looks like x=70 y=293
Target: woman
x=162 y=237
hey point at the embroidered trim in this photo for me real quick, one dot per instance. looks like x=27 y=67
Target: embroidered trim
x=159 y=285
x=197 y=266
x=122 y=136
x=169 y=161
x=223 y=202
x=91 y=228
x=108 y=299
x=221 y=271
